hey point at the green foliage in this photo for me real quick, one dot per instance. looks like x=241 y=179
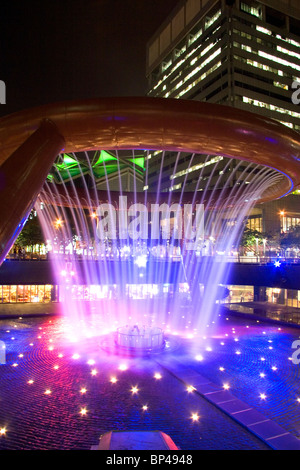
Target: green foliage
x=291 y=239
x=31 y=234
x=250 y=236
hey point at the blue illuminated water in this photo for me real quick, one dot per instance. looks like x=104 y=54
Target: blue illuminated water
x=34 y=419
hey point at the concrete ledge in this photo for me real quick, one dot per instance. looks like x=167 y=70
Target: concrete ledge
x=267 y=429
x=28 y=309
x=285 y=442
x=135 y=440
x=235 y=406
x=255 y=422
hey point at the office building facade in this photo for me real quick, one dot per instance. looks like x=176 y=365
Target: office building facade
x=239 y=53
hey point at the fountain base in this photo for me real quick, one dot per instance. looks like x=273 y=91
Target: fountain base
x=137 y=339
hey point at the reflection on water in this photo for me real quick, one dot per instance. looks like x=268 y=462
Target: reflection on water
x=268 y=311
x=61 y=393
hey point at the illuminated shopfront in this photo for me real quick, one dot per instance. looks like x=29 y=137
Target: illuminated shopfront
x=53 y=293
x=132 y=291
x=240 y=294
x=274 y=295
x=27 y=293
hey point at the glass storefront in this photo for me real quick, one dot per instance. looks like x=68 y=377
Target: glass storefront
x=27 y=293
x=255 y=223
x=288 y=222
x=239 y=294
x=288 y=297
x=274 y=295
x=50 y=293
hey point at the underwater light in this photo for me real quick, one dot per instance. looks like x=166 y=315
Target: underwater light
x=141 y=261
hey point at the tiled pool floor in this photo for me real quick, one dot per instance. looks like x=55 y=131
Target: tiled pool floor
x=57 y=394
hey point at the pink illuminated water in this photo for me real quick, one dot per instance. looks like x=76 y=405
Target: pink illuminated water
x=118 y=287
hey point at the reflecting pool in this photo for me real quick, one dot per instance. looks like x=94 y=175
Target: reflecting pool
x=60 y=393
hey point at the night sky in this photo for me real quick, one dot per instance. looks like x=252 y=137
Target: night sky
x=54 y=50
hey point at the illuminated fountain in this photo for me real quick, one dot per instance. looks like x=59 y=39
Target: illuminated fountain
x=116 y=270
x=164 y=272
x=110 y=287
x=140 y=339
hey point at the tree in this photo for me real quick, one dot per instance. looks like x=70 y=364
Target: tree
x=31 y=233
x=290 y=239
x=251 y=237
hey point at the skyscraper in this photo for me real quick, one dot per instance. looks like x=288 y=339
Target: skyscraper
x=244 y=54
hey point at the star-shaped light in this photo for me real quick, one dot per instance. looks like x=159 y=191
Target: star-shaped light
x=195 y=417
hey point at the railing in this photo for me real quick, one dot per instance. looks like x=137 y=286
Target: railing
x=218 y=258
x=143 y=339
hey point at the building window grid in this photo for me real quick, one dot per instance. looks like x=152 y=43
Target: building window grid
x=276 y=42
x=266 y=55
x=189 y=43
x=166 y=78
x=192 y=38
x=287 y=222
x=275 y=45
x=198 y=80
x=251 y=9
x=250 y=62
x=255 y=223
x=271 y=107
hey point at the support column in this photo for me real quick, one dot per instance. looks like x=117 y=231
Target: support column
x=260 y=294
x=22 y=177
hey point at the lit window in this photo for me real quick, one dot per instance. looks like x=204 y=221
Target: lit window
x=210 y=21
x=196 y=167
x=255 y=11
